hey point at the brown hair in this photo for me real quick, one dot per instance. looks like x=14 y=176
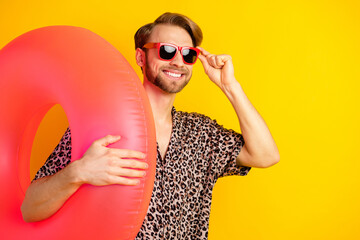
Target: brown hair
x=142 y=35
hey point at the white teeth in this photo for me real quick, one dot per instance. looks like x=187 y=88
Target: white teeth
x=173 y=74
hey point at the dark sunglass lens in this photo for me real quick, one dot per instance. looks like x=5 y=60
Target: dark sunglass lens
x=167 y=52
x=189 y=55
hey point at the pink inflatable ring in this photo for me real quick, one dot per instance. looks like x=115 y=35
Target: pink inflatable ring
x=100 y=94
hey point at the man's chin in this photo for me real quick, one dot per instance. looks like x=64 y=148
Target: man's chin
x=173 y=87
x=170 y=89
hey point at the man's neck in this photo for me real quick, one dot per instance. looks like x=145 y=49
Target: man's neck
x=161 y=103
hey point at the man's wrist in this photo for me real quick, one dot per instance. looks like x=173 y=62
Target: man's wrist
x=73 y=173
x=231 y=90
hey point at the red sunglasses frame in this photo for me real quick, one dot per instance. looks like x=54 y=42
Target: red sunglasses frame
x=178 y=48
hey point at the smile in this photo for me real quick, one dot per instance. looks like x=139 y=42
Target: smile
x=172 y=74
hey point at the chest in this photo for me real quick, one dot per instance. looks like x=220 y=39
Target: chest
x=163 y=135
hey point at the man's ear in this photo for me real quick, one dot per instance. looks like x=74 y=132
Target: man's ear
x=140 y=57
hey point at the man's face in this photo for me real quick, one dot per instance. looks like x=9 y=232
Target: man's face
x=170 y=76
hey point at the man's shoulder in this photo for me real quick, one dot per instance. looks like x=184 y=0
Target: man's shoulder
x=194 y=121
x=193 y=116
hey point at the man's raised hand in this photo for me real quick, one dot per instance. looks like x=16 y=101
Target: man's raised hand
x=219 y=68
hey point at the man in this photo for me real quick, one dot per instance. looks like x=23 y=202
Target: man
x=193 y=150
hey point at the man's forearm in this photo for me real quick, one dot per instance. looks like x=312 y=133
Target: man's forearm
x=99 y=166
x=46 y=195
x=258 y=140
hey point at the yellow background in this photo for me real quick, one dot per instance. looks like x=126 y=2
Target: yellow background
x=297 y=61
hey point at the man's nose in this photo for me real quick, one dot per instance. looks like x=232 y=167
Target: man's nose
x=177 y=60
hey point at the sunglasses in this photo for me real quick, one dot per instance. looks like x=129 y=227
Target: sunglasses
x=168 y=51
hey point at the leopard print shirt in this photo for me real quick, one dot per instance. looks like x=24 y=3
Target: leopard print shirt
x=200 y=151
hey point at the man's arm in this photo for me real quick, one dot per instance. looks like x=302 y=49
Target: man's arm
x=98 y=166
x=259 y=149
x=46 y=195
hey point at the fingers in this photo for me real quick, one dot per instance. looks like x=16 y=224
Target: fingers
x=123 y=181
x=218 y=61
x=124 y=176
x=126 y=172
x=107 y=140
x=126 y=153
x=122 y=153
x=203 y=51
x=215 y=61
x=204 y=61
x=129 y=163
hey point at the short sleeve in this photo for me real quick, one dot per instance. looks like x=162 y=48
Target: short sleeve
x=226 y=145
x=59 y=158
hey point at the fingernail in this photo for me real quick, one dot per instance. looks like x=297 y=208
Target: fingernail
x=144 y=173
x=146 y=165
